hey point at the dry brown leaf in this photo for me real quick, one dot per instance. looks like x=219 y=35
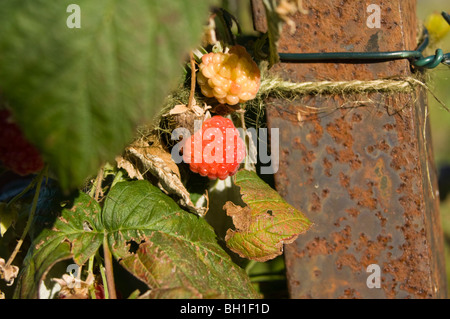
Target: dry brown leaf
x=8 y=273
x=181 y=116
x=290 y=7
x=158 y=162
x=74 y=288
x=178 y=109
x=265 y=224
x=131 y=170
x=209 y=36
x=150 y=148
x=242 y=216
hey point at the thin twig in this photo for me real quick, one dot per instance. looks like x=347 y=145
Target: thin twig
x=23 y=192
x=39 y=179
x=250 y=266
x=105 y=282
x=261 y=278
x=108 y=273
x=91 y=271
x=242 y=118
x=424 y=134
x=193 y=79
x=98 y=186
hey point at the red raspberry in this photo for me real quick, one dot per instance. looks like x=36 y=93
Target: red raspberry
x=231 y=77
x=16 y=153
x=216 y=150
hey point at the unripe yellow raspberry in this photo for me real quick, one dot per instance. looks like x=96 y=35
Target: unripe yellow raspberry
x=231 y=77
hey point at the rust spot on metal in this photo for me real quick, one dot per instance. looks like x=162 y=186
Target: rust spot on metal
x=353 y=212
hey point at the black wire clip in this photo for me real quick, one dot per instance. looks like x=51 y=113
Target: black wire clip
x=416 y=57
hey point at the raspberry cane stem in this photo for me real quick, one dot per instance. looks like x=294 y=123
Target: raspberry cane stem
x=39 y=179
x=193 y=80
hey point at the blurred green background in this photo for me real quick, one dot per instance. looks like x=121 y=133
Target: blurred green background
x=440 y=121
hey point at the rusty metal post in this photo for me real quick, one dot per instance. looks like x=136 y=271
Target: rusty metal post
x=364 y=174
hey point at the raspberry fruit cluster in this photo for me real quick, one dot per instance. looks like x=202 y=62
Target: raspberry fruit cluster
x=231 y=77
x=16 y=153
x=216 y=150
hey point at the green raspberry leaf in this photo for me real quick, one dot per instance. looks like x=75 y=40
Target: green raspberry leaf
x=265 y=224
x=74 y=234
x=174 y=252
x=79 y=93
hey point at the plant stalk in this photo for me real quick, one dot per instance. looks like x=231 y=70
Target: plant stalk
x=109 y=270
x=39 y=180
x=193 y=79
x=91 y=271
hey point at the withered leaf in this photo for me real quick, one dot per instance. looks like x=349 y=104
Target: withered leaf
x=265 y=224
x=178 y=109
x=141 y=158
x=132 y=170
x=8 y=273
